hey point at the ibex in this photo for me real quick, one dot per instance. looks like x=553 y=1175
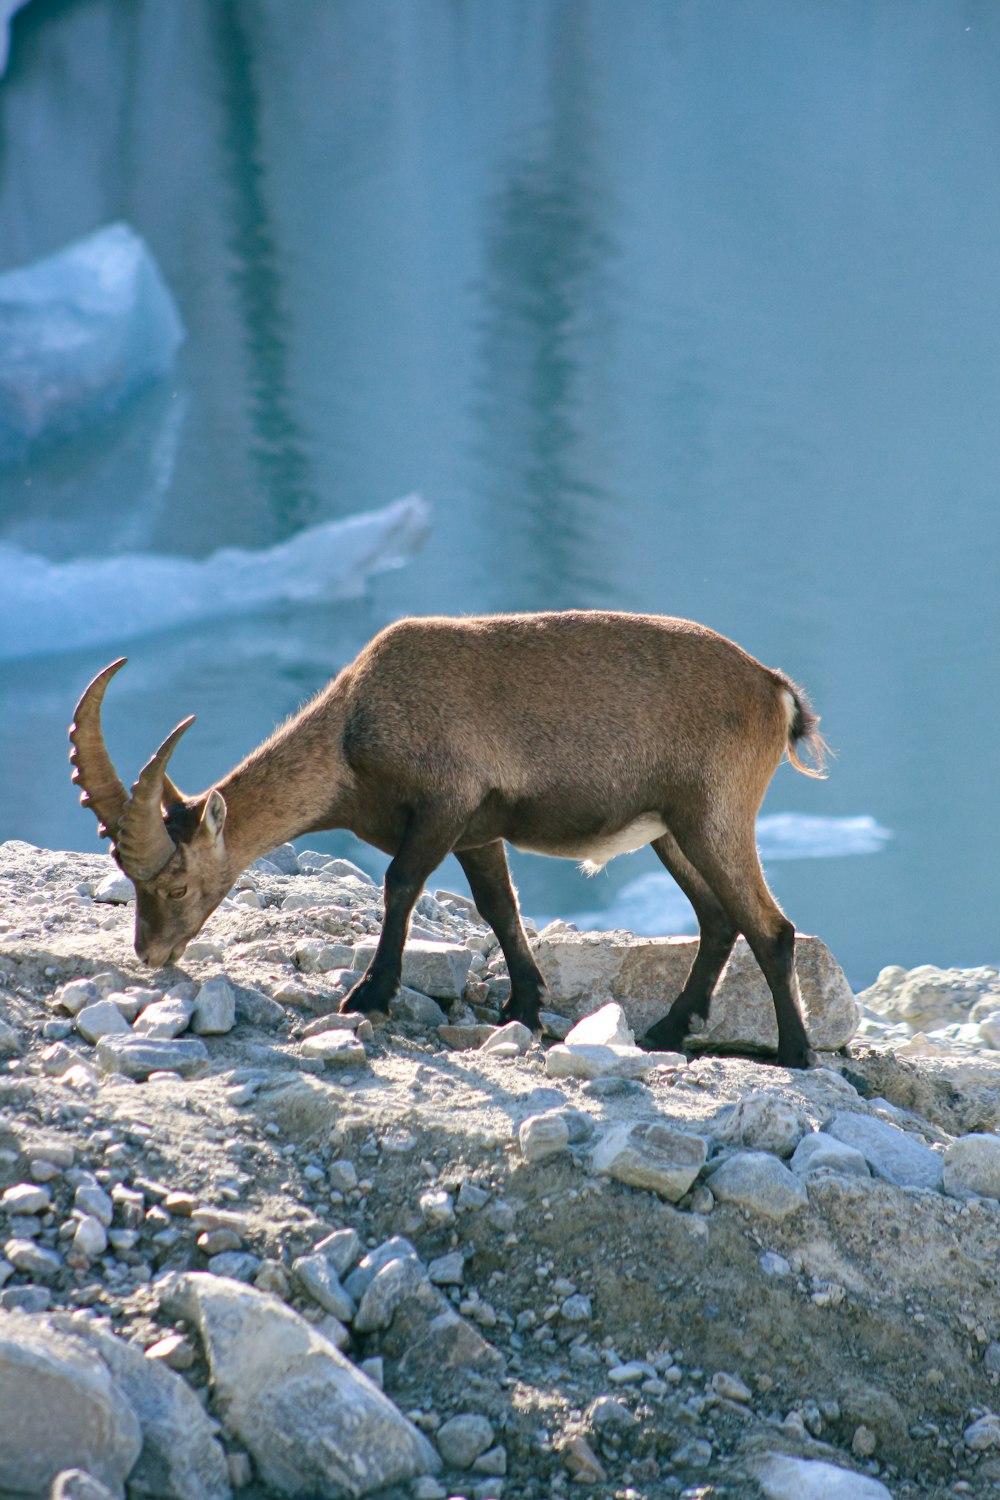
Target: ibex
x=583 y=734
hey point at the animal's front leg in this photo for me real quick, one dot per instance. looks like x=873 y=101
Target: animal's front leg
x=429 y=836
x=489 y=880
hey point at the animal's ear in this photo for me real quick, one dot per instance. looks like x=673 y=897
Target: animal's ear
x=213 y=817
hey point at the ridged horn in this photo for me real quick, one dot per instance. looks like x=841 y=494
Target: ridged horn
x=144 y=846
x=93 y=771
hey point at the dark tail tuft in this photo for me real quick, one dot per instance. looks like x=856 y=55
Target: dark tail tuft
x=804 y=730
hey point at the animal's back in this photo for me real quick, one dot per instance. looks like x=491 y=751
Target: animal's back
x=554 y=699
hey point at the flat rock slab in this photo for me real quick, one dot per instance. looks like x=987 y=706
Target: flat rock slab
x=592 y=1060
x=891 y=1153
x=651 y=1155
x=137 y=1057
x=586 y=970
x=436 y=969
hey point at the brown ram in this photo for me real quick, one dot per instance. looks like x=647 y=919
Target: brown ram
x=583 y=734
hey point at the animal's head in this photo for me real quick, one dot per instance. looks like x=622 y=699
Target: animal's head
x=171 y=847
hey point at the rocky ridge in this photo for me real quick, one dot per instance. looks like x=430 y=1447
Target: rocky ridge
x=248 y=1245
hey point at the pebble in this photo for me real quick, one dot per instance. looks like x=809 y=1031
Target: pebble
x=90 y=1237
x=115 y=889
x=336 y=1048
x=25 y=1198
x=33 y=1260
x=319 y=1280
x=214 y=1012
x=729 y=1387
x=462 y=1439
x=76 y=994
x=447 y=1270
x=341 y=1249
x=437 y=1209
x=102 y=1018
x=512 y=1040
x=91 y=1199
x=541 y=1136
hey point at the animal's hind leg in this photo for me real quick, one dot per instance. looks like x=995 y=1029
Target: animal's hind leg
x=489 y=880
x=727 y=861
x=717 y=935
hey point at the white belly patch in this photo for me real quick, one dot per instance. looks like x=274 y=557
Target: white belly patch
x=595 y=853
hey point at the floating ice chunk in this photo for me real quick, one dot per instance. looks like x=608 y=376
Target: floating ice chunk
x=51 y=607
x=8 y=9
x=80 y=332
x=805 y=836
x=653 y=904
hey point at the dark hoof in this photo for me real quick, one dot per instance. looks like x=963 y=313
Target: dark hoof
x=798 y=1057
x=365 y=1000
x=665 y=1036
x=526 y=1014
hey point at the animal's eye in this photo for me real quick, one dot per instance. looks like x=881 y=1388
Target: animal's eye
x=177 y=892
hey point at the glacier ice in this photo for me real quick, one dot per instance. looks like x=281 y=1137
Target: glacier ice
x=48 y=607
x=80 y=332
x=8 y=9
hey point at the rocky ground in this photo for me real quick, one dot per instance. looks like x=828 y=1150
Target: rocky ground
x=246 y=1247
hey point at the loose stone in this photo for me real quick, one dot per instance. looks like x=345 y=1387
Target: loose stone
x=540 y=1136
x=759 y=1183
x=462 y=1439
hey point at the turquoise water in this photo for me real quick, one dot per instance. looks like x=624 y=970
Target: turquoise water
x=689 y=307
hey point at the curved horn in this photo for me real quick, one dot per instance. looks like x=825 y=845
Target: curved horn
x=144 y=845
x=93 y=770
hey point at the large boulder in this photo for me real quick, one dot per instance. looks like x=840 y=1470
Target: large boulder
x=585 y=970
x=60 y=1408
x=313 y=1423
x=181 y=1459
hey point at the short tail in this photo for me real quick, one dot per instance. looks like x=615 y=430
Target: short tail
x=803 y=730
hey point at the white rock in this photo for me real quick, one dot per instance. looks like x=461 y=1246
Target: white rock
x=90 y=1198
x=168 y=1017
x=76 y=994
x=764 y=1121
x=982 y=1434
x=605 y=1027
x=511 y=1040
x=651 y=1155
x=642 y=974
x=26 y=1198
x=971 y=1167
x=214 y=1011
x=90 y=1237
x=335 y=1048
x=436 y=969
x=784 y=1478
x=103 y=1018
x=115 y=889
x=309 y=1418
x=590 y=1061
x=543 y=1135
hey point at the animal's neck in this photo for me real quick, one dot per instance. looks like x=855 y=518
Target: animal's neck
x=287 y=786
